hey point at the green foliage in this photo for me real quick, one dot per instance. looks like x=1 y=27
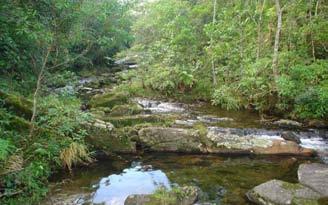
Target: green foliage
x=225 y=97
x=177 y=43
x=61 y=79
x=63 y=114
x=5 y=148
x=58 y=141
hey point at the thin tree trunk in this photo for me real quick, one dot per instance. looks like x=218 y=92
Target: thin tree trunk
x=277 y=41
x=316 y=8
x=259 y=32
x=212 y=44
x=311 y=33
x=36 y=92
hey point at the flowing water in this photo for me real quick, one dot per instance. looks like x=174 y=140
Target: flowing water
x=222 y=179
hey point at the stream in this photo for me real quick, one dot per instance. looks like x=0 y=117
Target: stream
x=223 y=179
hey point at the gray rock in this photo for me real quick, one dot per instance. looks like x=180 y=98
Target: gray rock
x=317 y=124
x=190 y=196
x=224 y=141
x=213 y=119
x=290 y=136
x=276 y=192
x=170 y=139
x=288 y=123
x=315 y=176
x=140 y=199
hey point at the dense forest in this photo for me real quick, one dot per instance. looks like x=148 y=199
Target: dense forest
x=266 y=56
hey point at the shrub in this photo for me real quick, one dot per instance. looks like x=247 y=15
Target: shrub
x=225 y=97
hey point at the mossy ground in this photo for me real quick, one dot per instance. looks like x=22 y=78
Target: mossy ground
x=16 y=104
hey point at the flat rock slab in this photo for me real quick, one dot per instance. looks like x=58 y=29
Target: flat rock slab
x=170 y=139
x=315 y=176
x=276 y=192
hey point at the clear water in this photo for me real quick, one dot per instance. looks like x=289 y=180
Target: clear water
x=224 y=180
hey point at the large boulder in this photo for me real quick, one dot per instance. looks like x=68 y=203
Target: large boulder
x=224 y=141
x=109 y=100
x=170 y=139
x=215 y=140
x=186 y=195
x=102 y=136
x=315 y=176
x=126 y=109
x=290 y=136
x=283 y=123
x=276 y=192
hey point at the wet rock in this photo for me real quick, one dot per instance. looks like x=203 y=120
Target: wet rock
x=315 y=176
x=170 y=139
x=75 y=199
x=276 y=192
x=225 y=141
x=287 y=123
x=290 y=136
x=187 y=123
x=186 y=195
x=140 y=199
x=317 y=124
x=213 y=119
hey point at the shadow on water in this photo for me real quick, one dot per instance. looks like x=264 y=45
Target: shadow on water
x=224 y=180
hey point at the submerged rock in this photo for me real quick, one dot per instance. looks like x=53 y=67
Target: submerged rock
x=186 y=195
x=213 y=119
x=276 y=192
x=288 y=123
x=291 y=136
x=315 y=176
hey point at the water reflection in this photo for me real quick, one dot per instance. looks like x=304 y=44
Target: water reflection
x=114 y=189
x=223 y=180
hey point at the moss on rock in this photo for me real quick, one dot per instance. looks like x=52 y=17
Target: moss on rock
x=109 y=100
x=127 y=109
x=17 y=104
x=132 y=120
x=107 y=140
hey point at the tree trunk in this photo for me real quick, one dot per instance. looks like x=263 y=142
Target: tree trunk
x=311 y=33
x=37 y=89
x=212 y=44
x=259 y=32
x=277 y=41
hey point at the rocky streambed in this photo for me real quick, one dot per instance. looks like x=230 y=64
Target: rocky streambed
x=173 y=153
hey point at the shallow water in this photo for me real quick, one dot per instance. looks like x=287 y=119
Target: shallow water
x=224 y=180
